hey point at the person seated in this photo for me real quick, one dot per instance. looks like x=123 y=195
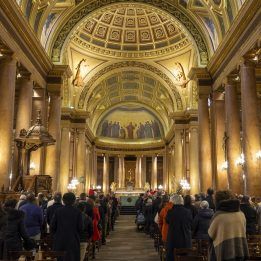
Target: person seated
x=202 y=221
x=227 y=230
x=250 y=215
x=179 y=220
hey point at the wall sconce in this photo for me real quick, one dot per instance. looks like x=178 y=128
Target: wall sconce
x=32 y=166
x=224 y=165
x=258 y=155
x=160 y=187
x=240 y=160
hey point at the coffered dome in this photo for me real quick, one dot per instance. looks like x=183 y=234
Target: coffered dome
x=130 y=28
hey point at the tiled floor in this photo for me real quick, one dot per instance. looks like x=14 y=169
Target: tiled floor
x=125 y=243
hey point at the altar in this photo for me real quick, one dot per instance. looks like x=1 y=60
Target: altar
x=128 y=197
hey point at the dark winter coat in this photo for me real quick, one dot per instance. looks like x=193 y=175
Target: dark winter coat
x=210 y=201
x=15 y=231
x=201 y=223
x=250 y=215
x=51 y=210
x=87 y=230
x=179 y=220
x=192 y=209
x=66 y=226
x=156 y=206
x=33 y=218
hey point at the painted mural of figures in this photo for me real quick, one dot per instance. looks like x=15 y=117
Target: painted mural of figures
x=109 y=130
x=122 y=133
x=117 y=130
x=148 y=130
x=156 y=129
x=141 y=131
x=105 y=125
x=78 y=81
x=130 y=129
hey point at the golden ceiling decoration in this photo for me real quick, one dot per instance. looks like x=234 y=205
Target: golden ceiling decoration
x=130 y=28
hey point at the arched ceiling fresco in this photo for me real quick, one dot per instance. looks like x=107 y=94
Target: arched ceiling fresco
x=133 y=55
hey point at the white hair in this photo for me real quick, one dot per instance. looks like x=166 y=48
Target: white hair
x=204 y=204
x=177 y=199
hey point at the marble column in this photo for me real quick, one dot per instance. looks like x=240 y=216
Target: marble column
x=143 y=171
x=165 y=172
x=121 y=174
x=193 y=160
x=65 y=163
x=233 y=138
x=154 y=173
x=138 y=172
x=24 y=113
x=7 y=98
x=250 y=128
x=220 y=154
x=178 y=158
x=116 y=170
x=105 y=180
x=24 y=106
x=205 y=159
x=171 y=169
x=52 y=164
x=88 y=168
x=80 y=158
x=94 y=168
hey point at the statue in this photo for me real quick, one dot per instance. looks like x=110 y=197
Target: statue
x=130 y=175
x=113 y=186
x=81 y=73
x=147 y=186
x=179 y=75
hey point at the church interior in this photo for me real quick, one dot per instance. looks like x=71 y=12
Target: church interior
x=129 y=96
x=130 y=130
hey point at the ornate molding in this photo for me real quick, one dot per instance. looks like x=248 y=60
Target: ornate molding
x=164 y=5
x=130 y=64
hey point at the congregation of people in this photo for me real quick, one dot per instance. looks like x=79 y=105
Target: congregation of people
x=70 y=223
x=222 y=219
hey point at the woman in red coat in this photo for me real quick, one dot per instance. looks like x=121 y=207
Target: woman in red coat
x=96 y=218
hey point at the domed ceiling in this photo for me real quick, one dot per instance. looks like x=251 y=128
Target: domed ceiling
x=130 y=28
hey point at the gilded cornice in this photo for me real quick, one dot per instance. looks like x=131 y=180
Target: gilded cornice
x=13 y=20
x=73 y=18
x=248 y=16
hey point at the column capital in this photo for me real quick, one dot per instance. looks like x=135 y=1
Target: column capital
x=201 y=75
x=55 y=78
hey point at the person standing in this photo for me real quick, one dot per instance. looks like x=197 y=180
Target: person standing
x=227 y=230
x=66 y=227
x=52 y=209
x=202 y=220
x=250 y=215
x=179 y=220
x=33 y=217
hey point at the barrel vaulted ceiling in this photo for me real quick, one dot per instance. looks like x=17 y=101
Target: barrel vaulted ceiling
x=132 y=52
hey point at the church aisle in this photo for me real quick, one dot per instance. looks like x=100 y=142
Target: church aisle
x=126 y=244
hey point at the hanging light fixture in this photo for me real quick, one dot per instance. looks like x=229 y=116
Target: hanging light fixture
x=184 y=184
